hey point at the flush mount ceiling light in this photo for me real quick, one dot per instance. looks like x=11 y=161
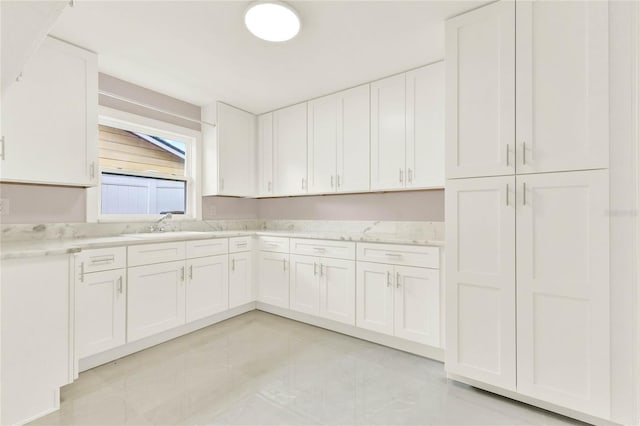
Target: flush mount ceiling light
x=272 y=21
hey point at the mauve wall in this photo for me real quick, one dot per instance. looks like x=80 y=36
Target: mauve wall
x=394 y=206
x=43 y=204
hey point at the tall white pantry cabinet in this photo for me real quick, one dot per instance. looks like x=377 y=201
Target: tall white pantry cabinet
x=527 y=199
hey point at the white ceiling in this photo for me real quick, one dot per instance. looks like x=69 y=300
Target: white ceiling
x=200 y=51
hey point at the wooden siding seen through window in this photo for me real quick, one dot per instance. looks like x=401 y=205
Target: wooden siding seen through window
x=119 y=149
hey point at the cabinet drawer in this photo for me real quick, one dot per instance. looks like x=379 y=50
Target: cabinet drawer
x=105 y=259
x=239 y=244
x=324 y=248
x=421 y=256
x=277 y=244
x=203 y=248
x=147 y=254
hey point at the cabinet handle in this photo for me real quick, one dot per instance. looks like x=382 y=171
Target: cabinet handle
x=92 y=170
x=507 y=155
x=284 y=264
x=321 y=269
x=233 y=264
x=401 y=175
x=524 y=193
x=332 y=181
x=103 y=260
x=388 y=279
x=524 y=153
x=2 y=148
x=398 y=255
x=338 y=181
x=269 y=186
x=82 y=272
x=190 y=272
x=410 y=175
x=120 y=284
x=507 y=195
x=182 y=274
x=315 y=268
x=397 y=279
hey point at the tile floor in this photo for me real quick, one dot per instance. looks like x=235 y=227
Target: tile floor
x=261 y=369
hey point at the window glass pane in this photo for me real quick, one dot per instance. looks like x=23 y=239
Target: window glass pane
x=134 y=152
x=125 y=194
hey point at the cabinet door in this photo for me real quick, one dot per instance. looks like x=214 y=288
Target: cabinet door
x=338 y=290
x=303 y=282
x=265 y=154
x=374 y=297
x=50 y=118
x=425 y=126
x=480 y=280
x=273 y=287
x=235 y=150
x=207 y=290
x=480 y=92
x=240 y=283
x=322 y=143
x=290 y=150
x=417 y=305
x=562 y=120
x=563 y=289
x=388 y=133
x=101 y=311
x=354 y=125
x=155 y=299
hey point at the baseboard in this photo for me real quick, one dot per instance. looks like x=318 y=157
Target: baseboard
x=381 y=339
x=129 y=348
x=533 y=401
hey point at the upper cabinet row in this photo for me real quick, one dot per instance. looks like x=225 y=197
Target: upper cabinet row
x=381 y=136
x=553 y=130
x=50 y=118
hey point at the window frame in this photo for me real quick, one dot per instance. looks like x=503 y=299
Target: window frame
x=136 y=123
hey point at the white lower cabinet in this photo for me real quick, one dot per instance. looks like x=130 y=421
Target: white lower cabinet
x=338 y=290
x=155 y=299
x=240 y=279
x=207 y=288
x=401 y=301
x=303 y=284
x=273 y=283
x=101 y=309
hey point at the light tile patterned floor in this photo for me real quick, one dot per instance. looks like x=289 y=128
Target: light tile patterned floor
x=260 y=369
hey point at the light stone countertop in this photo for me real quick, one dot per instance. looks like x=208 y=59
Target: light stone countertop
x=51 y=247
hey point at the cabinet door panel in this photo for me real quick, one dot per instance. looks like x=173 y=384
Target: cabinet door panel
x=265 y=154
x=207 y=290
x=303 y=280
x=481 y=289
x=354 y=125
x=425 y=126
x=290 y=150
x=338 y=290
x=155 y=299
x=322 y=143
x=417 y=305
x=480 y=92
x=101 y=311
x=235 y=150
x=374 y=297
x=563 y=289
x=240 y=279
x=50 y=118
x=274 y=279
x=388 y=133
x=563 y=86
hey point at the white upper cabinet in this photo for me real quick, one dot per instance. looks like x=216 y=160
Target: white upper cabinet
x=338 y=142
x=236 y=151
x=563 y=289
x=562 y=120
x=425 y=127
x=480 y=92
x=353 y=140
x=388 y=133
x=323 y=143
x=481 y=289
x=50 y=119
x=290 y=150
x=265 y=154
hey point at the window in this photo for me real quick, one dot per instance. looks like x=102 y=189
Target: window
x=147 y=169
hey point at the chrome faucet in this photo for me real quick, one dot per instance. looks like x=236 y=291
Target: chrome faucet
x=158 y=226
